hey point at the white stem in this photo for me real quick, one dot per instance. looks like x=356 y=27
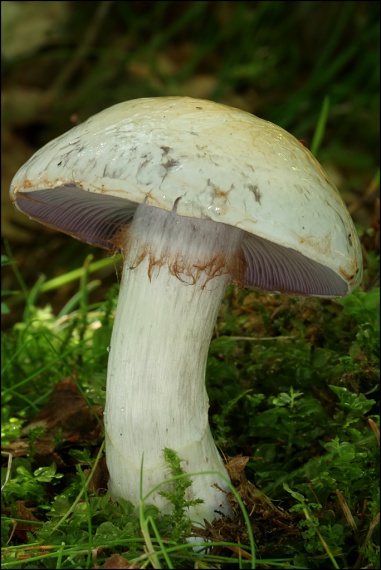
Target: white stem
x=175 y=273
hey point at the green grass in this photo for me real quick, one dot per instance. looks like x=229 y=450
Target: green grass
x=300 y=407
x=293 y=384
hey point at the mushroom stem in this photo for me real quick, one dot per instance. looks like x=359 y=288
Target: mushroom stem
x=175 y=273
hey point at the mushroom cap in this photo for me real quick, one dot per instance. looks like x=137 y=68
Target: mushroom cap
x=214 y=162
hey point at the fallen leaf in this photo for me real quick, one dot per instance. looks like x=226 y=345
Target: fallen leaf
x=117 y=561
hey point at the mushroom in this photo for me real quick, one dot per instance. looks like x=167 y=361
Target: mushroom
x=195 y=194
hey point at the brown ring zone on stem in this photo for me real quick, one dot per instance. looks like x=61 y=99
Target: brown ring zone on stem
x=188 y=271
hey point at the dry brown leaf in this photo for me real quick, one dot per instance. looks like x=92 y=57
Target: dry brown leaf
x=117 y=561
x=66 y=417
x=28 y=518
x=68 y=411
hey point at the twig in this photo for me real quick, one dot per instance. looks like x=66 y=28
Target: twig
x=67 y=72
x=346 y=511
x=9 y=465
x=372 y=189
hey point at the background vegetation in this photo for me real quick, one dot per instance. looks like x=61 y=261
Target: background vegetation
x=293 y=383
